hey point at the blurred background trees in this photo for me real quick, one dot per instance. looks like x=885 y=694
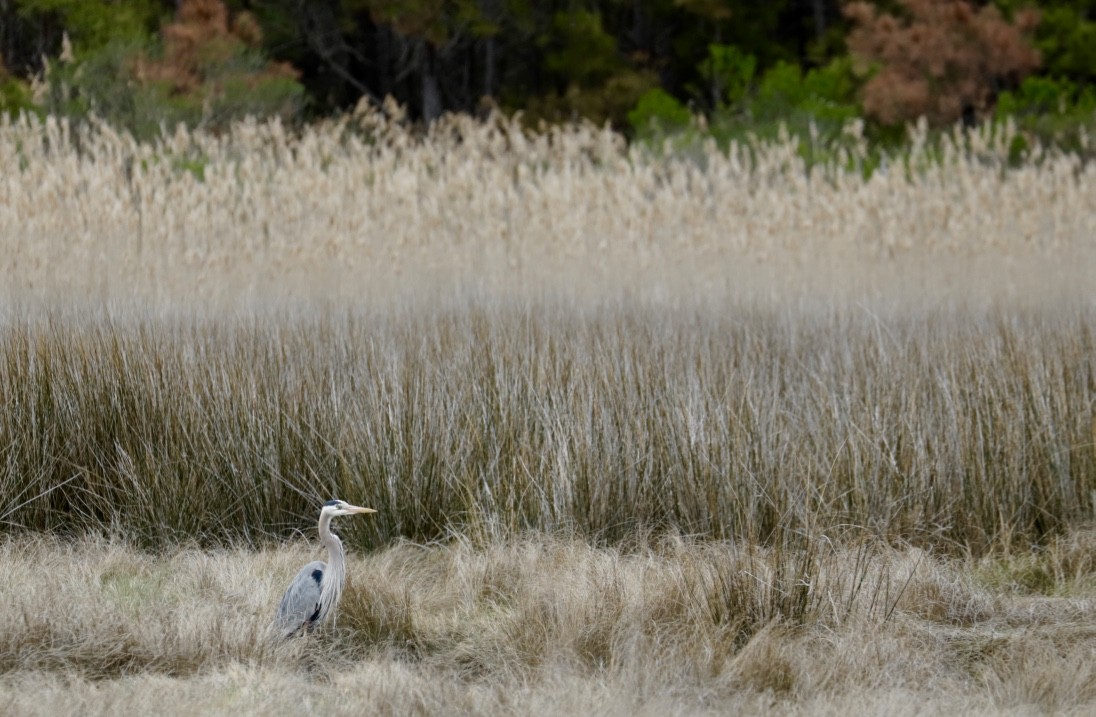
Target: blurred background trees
x=646 y=66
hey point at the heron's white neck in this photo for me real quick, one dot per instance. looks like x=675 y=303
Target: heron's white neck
x=335 y=575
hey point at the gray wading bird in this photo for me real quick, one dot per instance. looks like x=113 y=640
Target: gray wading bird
x=314 y=593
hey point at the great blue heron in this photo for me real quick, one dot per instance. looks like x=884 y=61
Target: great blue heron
x=314 y=593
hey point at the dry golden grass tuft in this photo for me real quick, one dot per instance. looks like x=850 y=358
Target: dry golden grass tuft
x=540 y=625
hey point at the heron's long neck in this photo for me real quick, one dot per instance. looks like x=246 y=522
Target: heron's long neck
x=335 y=576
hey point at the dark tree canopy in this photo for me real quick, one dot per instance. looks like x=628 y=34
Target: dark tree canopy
x=552 y=60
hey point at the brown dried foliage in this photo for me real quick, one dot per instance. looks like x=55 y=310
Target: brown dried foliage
x=202 y=37
x=941 y=59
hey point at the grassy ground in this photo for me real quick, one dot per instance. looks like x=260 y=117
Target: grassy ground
x=552 y=625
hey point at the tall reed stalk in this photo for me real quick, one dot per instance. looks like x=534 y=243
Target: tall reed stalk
x=944 y=429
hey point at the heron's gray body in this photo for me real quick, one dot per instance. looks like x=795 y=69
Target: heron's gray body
x=315 y=591
x=300 y=606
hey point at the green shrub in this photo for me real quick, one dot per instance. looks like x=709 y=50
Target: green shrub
x=93 y=24
x=15 y=95
x=201 y=70
x=826 y=95
x=816 y=108
x=728 y=72
x=1056 y=111
x=1067 y=43
x=1048 y=97
x=659 y=111
x=594 y=79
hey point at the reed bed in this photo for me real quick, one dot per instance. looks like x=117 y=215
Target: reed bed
x=955 y=431
x=368 y=208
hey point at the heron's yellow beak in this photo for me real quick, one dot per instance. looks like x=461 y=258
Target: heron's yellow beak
x=358 y=509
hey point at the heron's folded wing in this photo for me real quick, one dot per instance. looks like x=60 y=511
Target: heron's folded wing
x=301 y=599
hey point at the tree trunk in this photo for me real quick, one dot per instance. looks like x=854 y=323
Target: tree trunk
x=431 y=91
x=819 y=7
x=489 y=66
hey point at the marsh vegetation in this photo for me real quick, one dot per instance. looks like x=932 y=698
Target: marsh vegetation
x=647 y=433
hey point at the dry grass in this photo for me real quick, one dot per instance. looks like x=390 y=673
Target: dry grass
x=364 y=209
x=949 y=430
x=870 y=405
x=545 y=625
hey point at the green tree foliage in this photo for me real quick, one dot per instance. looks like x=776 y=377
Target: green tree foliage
x=1048 y=97
x=15 y=94
x=1059 y=105
x=808 y=65
x=204 y=68
x=815 y=105
x=32 y=30
x=592 y=77
x=1066 y=39
x=727 y=73
x=579 y=51
x=1058 y=111
x=825 y=96
x=659 y=113
x=92 y=24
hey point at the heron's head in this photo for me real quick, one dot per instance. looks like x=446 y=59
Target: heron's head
x=338 y=507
